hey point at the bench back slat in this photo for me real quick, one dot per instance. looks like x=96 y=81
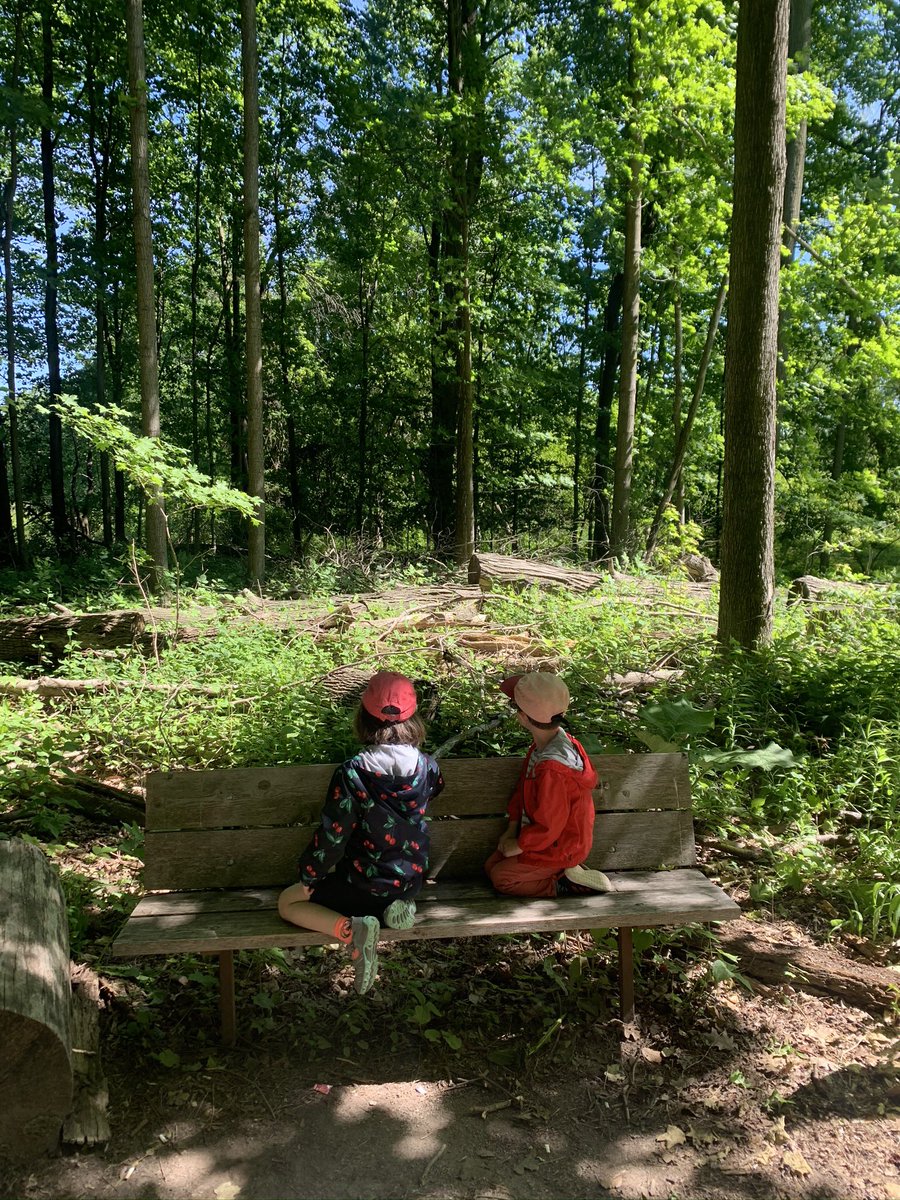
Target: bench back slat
x=252 y=797
x=247 y=827
x=268 y=857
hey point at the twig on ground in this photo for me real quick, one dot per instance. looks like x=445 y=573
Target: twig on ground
x=432 y=1162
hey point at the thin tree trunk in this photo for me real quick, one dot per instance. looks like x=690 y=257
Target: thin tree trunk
x=9 y=194
x=146 y=308
x=195 y=283
x=51 y=302
x=678 y=399
x=253 y=321
x=579 y=402
x=685 y=428
x=599 y=539
x=747 y=566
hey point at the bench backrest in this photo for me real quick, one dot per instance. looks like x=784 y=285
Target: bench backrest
x=246 y=827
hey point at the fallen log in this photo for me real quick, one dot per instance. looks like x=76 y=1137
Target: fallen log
x=812 y=588
x=27 y=639
x=52 y=687
x=35 y=1003
x=491 y=570
x=764 y=954
x=643 y=681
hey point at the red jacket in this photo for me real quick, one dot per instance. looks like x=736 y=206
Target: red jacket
x=558 y=810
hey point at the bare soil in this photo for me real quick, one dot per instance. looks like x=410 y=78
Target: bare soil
x=717 y=1093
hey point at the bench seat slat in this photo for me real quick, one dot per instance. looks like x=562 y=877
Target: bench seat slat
x=162 y=925
x=268 y=857
x=261 y=796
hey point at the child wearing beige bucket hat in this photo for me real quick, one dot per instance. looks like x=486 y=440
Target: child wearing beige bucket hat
x=551 y=810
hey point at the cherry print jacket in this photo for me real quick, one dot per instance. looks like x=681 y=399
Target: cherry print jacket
x=373 y=829
x=554 y=806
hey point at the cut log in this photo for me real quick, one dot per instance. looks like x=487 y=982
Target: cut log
x=491 y=570
x=87 y=1124
x=27 y=639
x=35 y=1004
x=699 y=568
x=643 y=681
x=764 y=955
x=812 y=588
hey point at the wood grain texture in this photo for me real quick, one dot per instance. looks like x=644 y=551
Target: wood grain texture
x=209 y=858
x=258 y=796
x=35 y=998
x=213 y=922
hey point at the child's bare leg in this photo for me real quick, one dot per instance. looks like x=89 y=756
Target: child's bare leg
x=294 y=906
x=358 y=934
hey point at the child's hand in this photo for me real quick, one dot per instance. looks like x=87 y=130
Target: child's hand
x=509 y=846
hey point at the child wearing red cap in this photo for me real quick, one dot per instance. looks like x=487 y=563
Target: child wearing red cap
x=366 y=862
x=551 y=810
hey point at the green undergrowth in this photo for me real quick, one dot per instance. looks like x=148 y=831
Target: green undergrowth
x=794 y=753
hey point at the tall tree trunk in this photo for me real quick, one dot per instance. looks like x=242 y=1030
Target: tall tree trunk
x=99 y=150
x=113 y=331
x=747 y=566
x=143 y=246
x=678 y=396
x=197 y=251
x=255 y=436
x=799 y=42
x=365 y=320
x=684 y=431
x=465 y=80
x=631 y=307
x=9 y=195
x=51 y=302
x=442 y=439
x=599 y=539
x=579 y=400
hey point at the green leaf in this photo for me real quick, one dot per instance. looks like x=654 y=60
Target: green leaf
x=770 y=758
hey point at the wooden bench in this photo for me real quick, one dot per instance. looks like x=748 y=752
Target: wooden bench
x=221 y=844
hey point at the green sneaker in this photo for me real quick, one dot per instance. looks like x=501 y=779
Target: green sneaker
x=364 y=952
x=400 y=914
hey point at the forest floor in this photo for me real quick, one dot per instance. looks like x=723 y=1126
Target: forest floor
x=716 y=1092
x=492 y=1068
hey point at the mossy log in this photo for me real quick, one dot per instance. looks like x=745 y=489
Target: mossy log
x=35 y=1004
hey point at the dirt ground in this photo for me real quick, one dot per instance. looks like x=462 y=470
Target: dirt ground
x=716 y=1093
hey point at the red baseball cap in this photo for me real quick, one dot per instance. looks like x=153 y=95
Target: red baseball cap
x=389 y=697
x=539 y=695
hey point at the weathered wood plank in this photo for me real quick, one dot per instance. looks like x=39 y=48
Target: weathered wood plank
x=258 y=796
x=209 y=858
x=445 y=911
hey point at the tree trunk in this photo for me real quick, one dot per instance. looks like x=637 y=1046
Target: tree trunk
x=684 y=431
x=579 y=402
x=255 y=435
x=196 y=253
x=9 y=194
x=678 y=398
x=146 y=308
x=747 y=559
x=465 y=81
x=631 y=306
x=599 y=538
x=35 y=1001
x=51 y=301
x=442 y=441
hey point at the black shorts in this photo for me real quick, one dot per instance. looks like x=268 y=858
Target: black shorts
x=337 y=893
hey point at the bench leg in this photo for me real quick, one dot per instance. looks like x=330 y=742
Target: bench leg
x=226 y=997
x=626 y=973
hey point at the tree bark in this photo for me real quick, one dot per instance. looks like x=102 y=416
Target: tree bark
x=35 y=999
x=146 y=306
x=747 y=557
x=9 y=194
x=51 y=288
x=487 y=570
x=256 y=483
x=599 y=538
x=631 y=308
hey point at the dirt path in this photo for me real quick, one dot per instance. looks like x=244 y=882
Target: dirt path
x=719 y=1095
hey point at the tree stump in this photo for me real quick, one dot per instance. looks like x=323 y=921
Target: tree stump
x=699 y=568
x=812 y=588
x=487 y=570
x=35 y=1003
